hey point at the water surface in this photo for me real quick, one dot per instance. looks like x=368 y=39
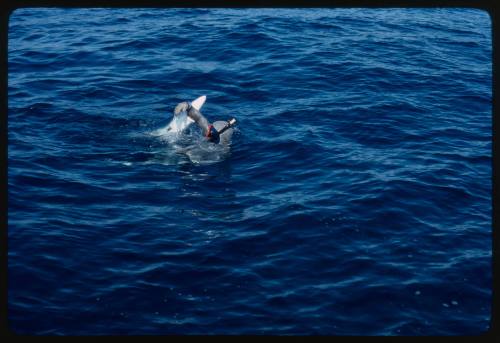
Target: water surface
x=355 y=198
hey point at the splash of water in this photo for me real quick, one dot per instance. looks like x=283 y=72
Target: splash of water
x=178 y=124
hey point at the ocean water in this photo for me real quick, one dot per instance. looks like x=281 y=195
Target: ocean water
x=354 y=198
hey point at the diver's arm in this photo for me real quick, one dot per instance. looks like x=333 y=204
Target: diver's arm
x=194 y=114
x=202 y=122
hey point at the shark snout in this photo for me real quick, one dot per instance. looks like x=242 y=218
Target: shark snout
x=181 y=107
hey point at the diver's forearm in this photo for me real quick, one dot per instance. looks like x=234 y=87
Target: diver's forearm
x=202 y=122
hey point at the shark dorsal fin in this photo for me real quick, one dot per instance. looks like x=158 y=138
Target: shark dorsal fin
x=198 y=102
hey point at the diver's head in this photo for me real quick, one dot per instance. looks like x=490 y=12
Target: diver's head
x=212 y=134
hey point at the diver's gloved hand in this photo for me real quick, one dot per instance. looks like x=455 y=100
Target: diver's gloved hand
x=183 y=106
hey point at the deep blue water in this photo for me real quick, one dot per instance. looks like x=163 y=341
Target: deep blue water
x=355 y=198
